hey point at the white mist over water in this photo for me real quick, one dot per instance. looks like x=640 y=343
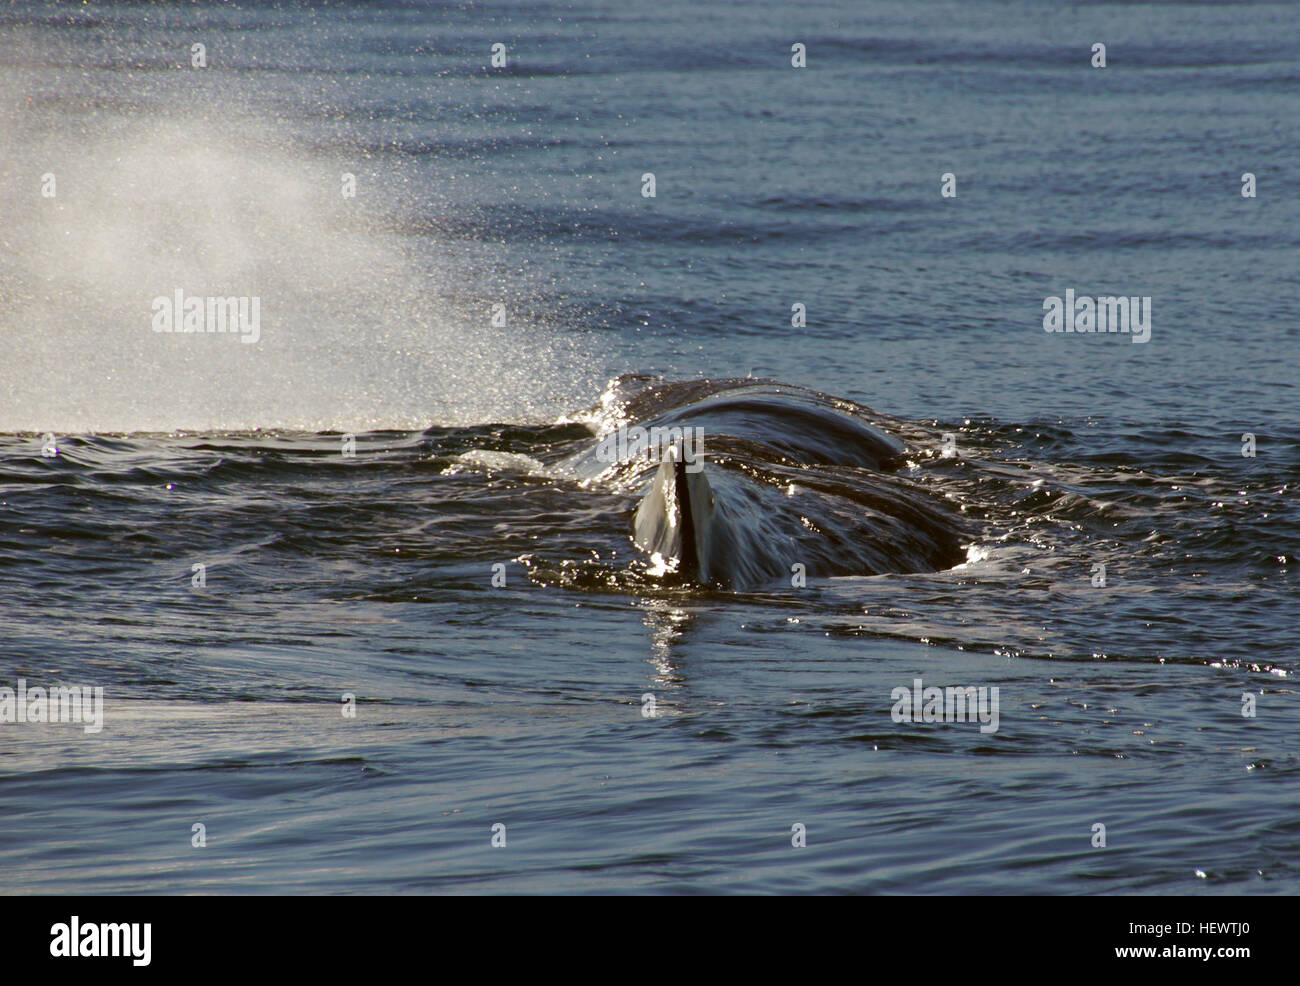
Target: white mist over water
x=360 y=328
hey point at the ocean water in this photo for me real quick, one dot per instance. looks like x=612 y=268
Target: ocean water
x=498 y=294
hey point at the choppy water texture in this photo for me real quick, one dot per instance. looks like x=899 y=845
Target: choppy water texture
x=522 y=704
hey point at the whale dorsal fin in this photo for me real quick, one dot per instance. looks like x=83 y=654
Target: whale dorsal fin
x=673 y=523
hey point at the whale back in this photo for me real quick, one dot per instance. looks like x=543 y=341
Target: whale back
x=774 y=478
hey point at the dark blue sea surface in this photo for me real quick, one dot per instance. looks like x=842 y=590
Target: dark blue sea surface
x=497 y=295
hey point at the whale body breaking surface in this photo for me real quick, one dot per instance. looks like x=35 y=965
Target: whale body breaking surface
x=759 y=481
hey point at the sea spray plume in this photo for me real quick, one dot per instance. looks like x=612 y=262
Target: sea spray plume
x=356 y=327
